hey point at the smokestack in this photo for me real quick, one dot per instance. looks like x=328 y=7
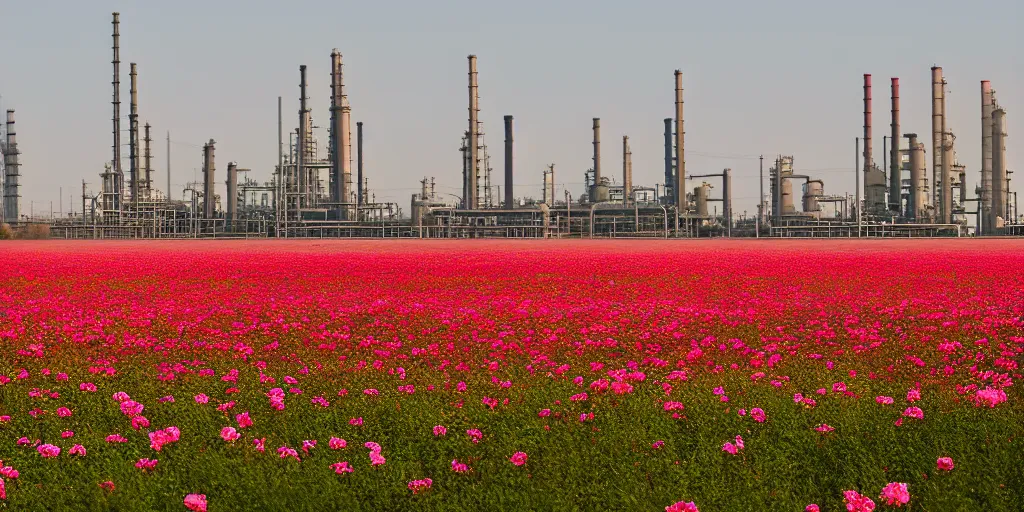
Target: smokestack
x=341 y=137
x=986 y=153
x=937 y=135
x=472 y=201
x=680 y=153
x=509 y=146
x=147 y=183
x=627 y=175
x=168 y=165
x=895 y=162
x=597 y=153
x=209 y=168
x=669 y=165
x=999 y=183
x=359 y=163
x=301 y=141
x=727 y=199
x=133 y=136
x=868 y=161
x=918 y=191
x=12 y=171
x=945 y=185
x=232 y=202
x=116 y=163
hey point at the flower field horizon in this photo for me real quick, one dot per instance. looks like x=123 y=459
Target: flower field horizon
x=512 y=375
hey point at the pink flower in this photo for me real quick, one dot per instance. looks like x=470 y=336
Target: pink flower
x=284 y=452
x=758 y=415
x=3 y=490
x=342 y=467
x=63 y=412
x=812 y=508
x=169 y=399
x=579 y=397
x=229 y=434
x=376 y=459
x=518 y=458
x=336 y=443
x=116 y=438
x=823 y=428
x=944 y=464
x=48 y=450
x=913 y=395
x=107 y=486
x=729 y=448
x=131 y=408
x=657 y=444
x=895 y=494
x=460 y=387
x=459 y=467
x=544 y=413
x=884 y=400
x=202 y=398
x=673 y=406
x=243 y=420
x=417 y=486
x=67 y=434
x=77 y=450
x=121 y=396
x=440 y=430
x=196 y=502
x=739 y=442
x=856 y=502
x=146 y=464
x=474 y=435
x=356 y=421
x=260 y=444
x=989 y=397
x=682 y=507
x=158 y=438
x=839 y=387
x=371 y=392
x=308 y=444
x=914 y=412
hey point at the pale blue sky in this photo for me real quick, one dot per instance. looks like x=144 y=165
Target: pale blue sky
x=760 y=78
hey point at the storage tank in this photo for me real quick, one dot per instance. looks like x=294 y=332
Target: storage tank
x=700 y=198
x=813 y=190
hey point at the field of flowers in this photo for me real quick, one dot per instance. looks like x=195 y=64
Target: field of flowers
x=719 y=376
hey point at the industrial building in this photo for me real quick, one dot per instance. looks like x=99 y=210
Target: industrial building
x=311 y=191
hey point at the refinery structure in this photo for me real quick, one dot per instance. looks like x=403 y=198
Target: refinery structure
x=321 y=190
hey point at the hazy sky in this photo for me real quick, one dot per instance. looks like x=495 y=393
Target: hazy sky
x=760 y=78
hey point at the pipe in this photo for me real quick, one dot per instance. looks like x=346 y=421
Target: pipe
x=680 y=153
x=895 y=163
x=209 y=169
x=627 y=175
x=999 y=182
x=232 y=199
x=669 y=165
x=868 y=160
x=12 y=171
x=918 y=191
x=301 y=149
x=169 y=165
x=509 y=146
x=133 y=135
x=359 y=163
x=986 y=152
x=147 y=183
x=116 y=163
x=472 y=202
x=936 y=133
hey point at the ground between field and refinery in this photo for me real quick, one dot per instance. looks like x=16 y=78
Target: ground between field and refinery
x=525 y=375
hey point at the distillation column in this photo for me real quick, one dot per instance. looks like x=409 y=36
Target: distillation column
x=895 y=163
x=509 y=147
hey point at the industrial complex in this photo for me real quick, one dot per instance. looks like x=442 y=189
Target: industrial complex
x=321 y=190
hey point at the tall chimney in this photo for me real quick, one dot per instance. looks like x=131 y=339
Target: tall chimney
x=895 y=162
x=680 y=153
x=868 y=161
x=597 y=153
x=133 y=136
x=12 y=171
x=232 y=199
x=727 y=199
x=509 y=147
x=168 y=165
x=669 y=165
x=937 y=135
x=986 y=153
x=147 y=182
x=301 y=142
x=999 y=188
x=472 y=202
x=209 y=168
x=916 y=201
x=341 y=137
x=945 y=185
x=116 y=163
x=359 y=163
x=627 y=177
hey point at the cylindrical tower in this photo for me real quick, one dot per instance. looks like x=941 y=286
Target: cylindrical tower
x=472 y=191
x=936 y=134
x=999 y=183
x=895 y=162
x=509 y=155
x=680 y=153
x=986 y=153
